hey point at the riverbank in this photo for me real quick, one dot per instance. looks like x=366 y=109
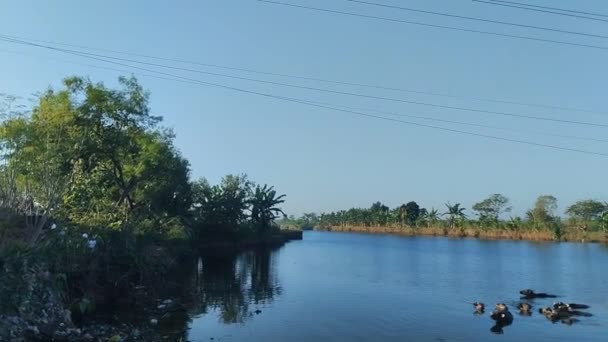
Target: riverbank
x=478 y=233
x=233 y=246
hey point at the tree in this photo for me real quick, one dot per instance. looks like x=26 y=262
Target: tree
x=583 y=212
x=412 y=210
x=308 y=221
x=219 y=211
x=95 y=156
x=35 y=150
x=122 y=163
x=264 y=208
x=604 y=221
x=543 y=211
x=490 y=208
x=431 y=217
x=379 y=214
x=455 y=212
x=586 y=210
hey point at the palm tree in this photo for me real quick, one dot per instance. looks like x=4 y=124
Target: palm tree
x=402 y=214
x=515 y=223
x=263 y=207
x=431 y=217
x=454 y=212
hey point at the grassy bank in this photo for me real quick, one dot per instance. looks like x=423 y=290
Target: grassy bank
x=471 y=232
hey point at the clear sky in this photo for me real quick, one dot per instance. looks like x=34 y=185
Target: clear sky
x=326 y=160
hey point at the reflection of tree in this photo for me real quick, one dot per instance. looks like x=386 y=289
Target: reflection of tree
x=230 y=284
x=263 y=283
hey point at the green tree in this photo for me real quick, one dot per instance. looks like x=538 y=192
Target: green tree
x=219 y=211
x=379 y=214
x=455 y=213
x=97 y=156
x=264 y=208
x=542 y=214
x=586 y=210
x=489 y=209
x=431 y=217
x=35 y=149
x=122 y=163
x=412 y=210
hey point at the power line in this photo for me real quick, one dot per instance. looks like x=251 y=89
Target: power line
x=552 y=8
x=334 y=105
x=427 y=104
x=462 y=123
x=380 y=87
x=538 y=10
x=599 y=47
x=94 y=66
x=477 y=19
x=295 y=100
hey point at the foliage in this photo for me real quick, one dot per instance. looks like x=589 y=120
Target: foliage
x=412 y=212
x=542 y=214
x=263 y=205
x=234 y=208
x=490 y=208
x=541 y=221
x=94 y=156
x=219 y=211
x=94 y=192
x=455 y=213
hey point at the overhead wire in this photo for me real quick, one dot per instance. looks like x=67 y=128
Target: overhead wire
x=377 y=4
x=427 y=118
x=552 y=8
x=309 y=103
x=445 y=27
x=529 y=8
x=316 y=79
x=419 y=103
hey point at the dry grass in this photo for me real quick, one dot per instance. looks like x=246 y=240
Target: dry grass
x=474 y=232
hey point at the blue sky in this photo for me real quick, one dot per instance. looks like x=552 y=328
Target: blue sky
x=326 y=160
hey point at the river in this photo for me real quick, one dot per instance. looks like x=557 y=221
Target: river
x=357 y=287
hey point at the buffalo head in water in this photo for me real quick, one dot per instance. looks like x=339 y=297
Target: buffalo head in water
x=502 y=316
x=530 y=294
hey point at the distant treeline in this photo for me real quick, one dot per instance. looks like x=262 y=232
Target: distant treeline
x=490 y=214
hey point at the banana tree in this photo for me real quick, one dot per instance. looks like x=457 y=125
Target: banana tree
x=431 y=217
x=264 y=208
x=455 y=212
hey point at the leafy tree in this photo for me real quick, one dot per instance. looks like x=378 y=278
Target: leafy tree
x=379 y=214
x=412 y=210
x=219 y=211
x=34 y=152
x=490 y=208
x=515 y=223
x=543 y=211
x=604 y=221
x=455 y=212
x=586 y=210
x=432 y=217
x=97 y=156
x=309 y=221
x=264 y=208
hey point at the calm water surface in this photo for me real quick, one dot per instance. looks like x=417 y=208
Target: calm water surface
x=355 y=287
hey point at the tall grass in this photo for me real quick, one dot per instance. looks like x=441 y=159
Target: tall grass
x=469 y=231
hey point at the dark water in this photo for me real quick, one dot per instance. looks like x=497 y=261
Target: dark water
x=353 y=287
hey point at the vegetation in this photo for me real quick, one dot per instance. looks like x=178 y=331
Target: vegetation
x=97 y=201
x=586 y=220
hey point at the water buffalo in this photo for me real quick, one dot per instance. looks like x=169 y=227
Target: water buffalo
x=502 y=316
x=479 y=308
x=530 y=294
x=525 y=309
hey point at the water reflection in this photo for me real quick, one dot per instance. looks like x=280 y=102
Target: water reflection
x=234 y=285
